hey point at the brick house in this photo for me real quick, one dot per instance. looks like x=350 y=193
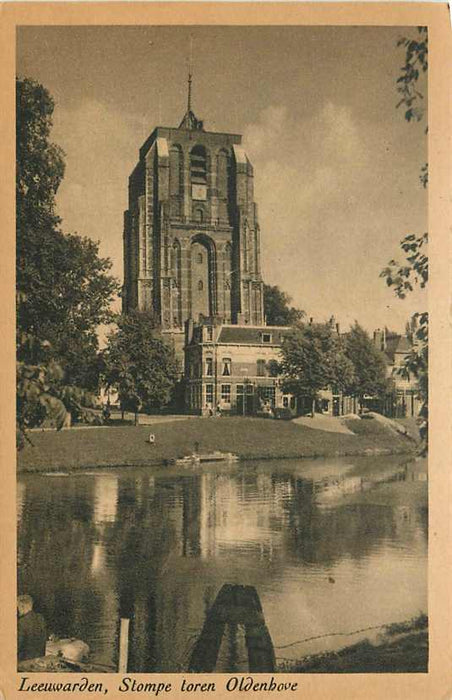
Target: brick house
x=230 y=366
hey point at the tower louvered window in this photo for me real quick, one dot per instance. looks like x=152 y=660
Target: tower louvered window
x=198 y=166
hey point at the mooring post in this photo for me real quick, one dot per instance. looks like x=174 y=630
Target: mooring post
x=123 y=645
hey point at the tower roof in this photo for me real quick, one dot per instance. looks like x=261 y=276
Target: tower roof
x=191 y=122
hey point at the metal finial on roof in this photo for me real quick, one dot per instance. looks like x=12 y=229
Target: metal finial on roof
x=190 y=74
x=189 y=93
x=190 y=121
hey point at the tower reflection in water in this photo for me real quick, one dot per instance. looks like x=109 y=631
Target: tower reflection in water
x=94 y=548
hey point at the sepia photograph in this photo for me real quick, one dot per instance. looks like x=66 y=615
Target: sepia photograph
x=222 y=352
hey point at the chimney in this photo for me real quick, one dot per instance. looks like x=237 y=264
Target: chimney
x=379 y=339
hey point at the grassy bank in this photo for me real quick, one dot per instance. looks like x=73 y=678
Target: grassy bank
x=248 y=437
x=401 y=648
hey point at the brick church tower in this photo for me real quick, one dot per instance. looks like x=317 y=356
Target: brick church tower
x=191 y=232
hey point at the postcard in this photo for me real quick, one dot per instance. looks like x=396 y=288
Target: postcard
x=226 y=284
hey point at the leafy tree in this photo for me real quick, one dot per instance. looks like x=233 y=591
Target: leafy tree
x=139 y=364
x=416 y=63
x=414 y=270
x=66 y=293
x=277 y=309
x=369 y=376
x=63 y=287
x=39 y=163
x=313 y=358
x=36 y=398
x=41 y=394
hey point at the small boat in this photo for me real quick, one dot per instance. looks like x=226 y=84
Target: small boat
x=195 y=459
x=188 y=461
x=218 y=457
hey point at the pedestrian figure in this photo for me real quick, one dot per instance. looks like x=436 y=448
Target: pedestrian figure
x=151 y=439
x=106 y=413
x=31 y=630
x=218 y=411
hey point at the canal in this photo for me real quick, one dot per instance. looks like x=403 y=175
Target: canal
x=331 y=547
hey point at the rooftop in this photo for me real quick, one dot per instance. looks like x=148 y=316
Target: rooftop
x=252 y=335
x=396 y=344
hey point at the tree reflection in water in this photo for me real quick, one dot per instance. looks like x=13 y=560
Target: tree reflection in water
x=157 y=549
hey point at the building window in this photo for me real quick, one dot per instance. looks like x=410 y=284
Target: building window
x=209 y=394
x=226 y=393
x=200 y=286
x=267 y=393
x=292 y=402
x=285 y=401
x=199 y=258
x=209 y=333
x=261 y=368
x=266 y=337
x=199 y=216
x=226 y=371
x=198 y=165
x=209 y=366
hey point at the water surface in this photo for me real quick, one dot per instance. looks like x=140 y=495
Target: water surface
x=331 y=546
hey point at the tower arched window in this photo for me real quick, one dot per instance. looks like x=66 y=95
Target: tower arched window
x=200 y=286
x=199 y=216
x=246 y=251
x=176 y=286
x=198 y=165
x=227 y=266
x=175 y=170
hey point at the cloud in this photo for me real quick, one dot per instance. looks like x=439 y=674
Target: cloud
x=330 y=190
x=101 y=147
x=329 y=212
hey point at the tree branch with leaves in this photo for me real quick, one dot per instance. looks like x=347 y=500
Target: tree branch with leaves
x=413 y=271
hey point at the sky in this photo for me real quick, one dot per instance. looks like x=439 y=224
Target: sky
x=336 y=166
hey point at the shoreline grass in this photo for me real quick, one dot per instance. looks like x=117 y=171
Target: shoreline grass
x=400 y=648
x=250 y=438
